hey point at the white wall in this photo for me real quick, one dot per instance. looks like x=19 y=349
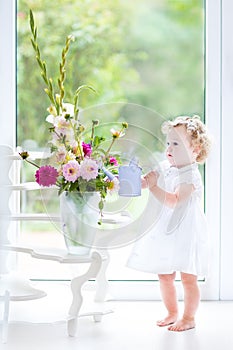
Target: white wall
x=7 y=72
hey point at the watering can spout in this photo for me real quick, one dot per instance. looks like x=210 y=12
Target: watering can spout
x=108 y=173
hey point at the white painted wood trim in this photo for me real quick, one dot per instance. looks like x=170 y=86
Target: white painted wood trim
x=8 y=73
x=213 y=121
x=226 y=276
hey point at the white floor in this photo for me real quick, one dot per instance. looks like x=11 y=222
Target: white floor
x=131 y=325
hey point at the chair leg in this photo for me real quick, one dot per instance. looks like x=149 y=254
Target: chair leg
x=101 y=279
x=76 y=286
x=5 y=316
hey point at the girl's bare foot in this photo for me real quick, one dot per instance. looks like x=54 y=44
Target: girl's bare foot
x=170 y=319
x=183 y=325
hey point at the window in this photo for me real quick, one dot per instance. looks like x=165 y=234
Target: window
x=152 y=54
x=151 y=64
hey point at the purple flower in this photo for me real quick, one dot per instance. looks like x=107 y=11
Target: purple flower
x=71 y=170
x=46 y=176
x=113 y=161
x=86 y=149
x=88 y=169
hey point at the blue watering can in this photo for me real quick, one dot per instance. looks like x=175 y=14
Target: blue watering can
x=129 y=178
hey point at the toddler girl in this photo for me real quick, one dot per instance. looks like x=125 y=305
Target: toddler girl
x=178 y=241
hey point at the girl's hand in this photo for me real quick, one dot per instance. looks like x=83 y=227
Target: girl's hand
x=144 y=183
x=151 y=178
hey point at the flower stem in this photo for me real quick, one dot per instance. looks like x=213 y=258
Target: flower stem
x=76 y=98
x=109 y=148
x=62 y=68
x=92 y=133
x=48 y=81
x=94 y=124
x=113 y=140
x=80 y=149
x=32 y=163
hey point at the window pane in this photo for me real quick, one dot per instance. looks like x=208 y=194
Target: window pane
x=146 y=52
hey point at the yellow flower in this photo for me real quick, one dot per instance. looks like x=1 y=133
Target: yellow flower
x=70 y=156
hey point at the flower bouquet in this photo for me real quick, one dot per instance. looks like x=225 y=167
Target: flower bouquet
x=81 y=164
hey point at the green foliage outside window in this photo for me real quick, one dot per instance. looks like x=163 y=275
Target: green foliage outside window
x=147 y=52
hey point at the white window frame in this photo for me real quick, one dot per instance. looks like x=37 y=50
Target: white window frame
x=219 y=170
x=219 y=118
x=226 y=275
x=213 y=105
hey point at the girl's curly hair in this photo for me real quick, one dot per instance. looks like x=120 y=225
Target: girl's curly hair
x=196 y=129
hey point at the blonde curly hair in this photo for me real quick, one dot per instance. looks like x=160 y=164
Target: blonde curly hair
x=196 y=129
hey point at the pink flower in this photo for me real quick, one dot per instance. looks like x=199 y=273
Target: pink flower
x=46 y=176
x=113 y=161
x=86 y=149
x=62 y=126
x=88 y=169
x=71 y=170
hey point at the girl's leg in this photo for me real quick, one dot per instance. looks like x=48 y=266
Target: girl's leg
x=168 y=292
x=191 y=302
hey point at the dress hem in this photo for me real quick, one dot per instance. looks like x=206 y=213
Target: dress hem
x=202 y=275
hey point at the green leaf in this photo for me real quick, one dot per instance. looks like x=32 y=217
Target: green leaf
x=33 y=44
x=32 y=24
x=39 y=62
x=97 y=140
x=101 y=205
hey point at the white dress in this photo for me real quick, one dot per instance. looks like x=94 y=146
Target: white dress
x=179 y=240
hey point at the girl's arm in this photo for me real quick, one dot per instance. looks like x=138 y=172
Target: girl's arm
x=170 y=199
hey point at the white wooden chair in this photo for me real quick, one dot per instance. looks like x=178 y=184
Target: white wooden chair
x=6 y=300
x=12 y=286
